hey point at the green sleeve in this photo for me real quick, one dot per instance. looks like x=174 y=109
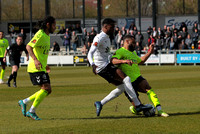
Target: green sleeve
x=117 y=55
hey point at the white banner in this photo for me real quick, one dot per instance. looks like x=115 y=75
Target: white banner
x=167 y=58
x=189 y=21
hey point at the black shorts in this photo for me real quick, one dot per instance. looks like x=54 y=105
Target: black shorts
x=109 y=73
x=2 y=63
x=39 y=78
x=135 y=86
x=14 y=62
x=136 y=83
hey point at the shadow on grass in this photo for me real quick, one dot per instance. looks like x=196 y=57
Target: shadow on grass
x=124 y=117
x=186 y=113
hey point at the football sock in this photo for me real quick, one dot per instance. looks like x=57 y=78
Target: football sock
x=153 y=97
x=113 y=94
x=39 y=97
x=14 y=76
x=2 y=73
x=10 y=78
x=130 y=91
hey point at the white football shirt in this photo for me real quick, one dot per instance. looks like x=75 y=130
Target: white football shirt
x=101 y=56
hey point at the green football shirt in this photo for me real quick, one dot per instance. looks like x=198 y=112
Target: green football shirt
x=41 y=46
x=3 y=45
x=132 y=71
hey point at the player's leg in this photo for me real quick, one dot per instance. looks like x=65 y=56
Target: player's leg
x=2 y=71
x=113 y=94
x=14 y=72
x=146 y=88
x=130 y=91
x=39 y=97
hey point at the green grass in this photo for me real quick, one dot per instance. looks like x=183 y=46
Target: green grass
x=69 y=109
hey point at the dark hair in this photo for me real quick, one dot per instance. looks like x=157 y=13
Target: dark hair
x=42 y=23
x=2 y=32
x=108 y=21
x=128 y=37
x=20 y=35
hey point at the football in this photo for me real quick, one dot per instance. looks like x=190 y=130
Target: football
x=150 y=112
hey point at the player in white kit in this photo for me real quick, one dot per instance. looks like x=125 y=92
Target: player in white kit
x=99 y=58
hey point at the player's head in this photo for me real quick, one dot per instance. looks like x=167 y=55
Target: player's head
x=108 y=26
x=19 y=40
x=1 y=34
x=48 y=24
x=129 y=42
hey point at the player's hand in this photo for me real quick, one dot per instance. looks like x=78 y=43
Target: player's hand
x=151 y=47
x=48 y=69
x=38 y=65
x=94 y=69
x=4 y=59
x=130 y=62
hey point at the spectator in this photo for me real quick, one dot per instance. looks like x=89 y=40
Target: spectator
x=195 y=27
x=159 y=43
x=165 y=28
x=166 y=42
x=78 y=28
x=151 y=40
x=138 y=49
x=174 y=30
x=183 y=25
x=160 y=33
x=168 y=32
x=67 y=41
x=84 y=36
x=74 y=41
x=176 y=40
x=183 y=34
x=149 y=31
x=118 y=39
x=154 y=32
x=172 y=44
x=139 y=38
x=127 y=31
x=195 y=37
x=131 y=27
x=135 y=31
x=56 y=47
x=198 y=44
x=123 y=31
x=23 y=34
x=188 y=42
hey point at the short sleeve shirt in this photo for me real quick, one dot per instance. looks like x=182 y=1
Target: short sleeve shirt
x=132 y=71
x=102 y=53
x=41 y=46
x=3 y=46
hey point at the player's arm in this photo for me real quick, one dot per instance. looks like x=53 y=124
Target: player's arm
x=90 y=58
x=6 y=52
x=146 y=56
x=116 y=61
x=38 y=65
x=27 y=55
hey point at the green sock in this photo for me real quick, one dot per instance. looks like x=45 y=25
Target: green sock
x=2 y=73
x=32 y=97
x=39 y=97
x=153 y=97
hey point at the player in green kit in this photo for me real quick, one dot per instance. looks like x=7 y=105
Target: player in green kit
x=132 y=70
x=3 y=46
x=38 y=49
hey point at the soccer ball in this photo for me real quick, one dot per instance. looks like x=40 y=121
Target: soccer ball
x=150 y=112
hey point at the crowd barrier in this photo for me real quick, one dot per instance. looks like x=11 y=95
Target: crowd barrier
x=176 y=57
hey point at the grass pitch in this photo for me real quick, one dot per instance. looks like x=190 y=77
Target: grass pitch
x=70 y=107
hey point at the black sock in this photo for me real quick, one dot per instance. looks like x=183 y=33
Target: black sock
x=14 y=76
x=10 y=78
